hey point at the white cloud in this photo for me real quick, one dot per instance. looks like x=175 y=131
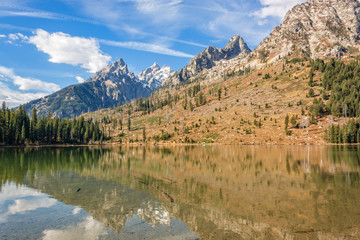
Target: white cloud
x=14 y=38
x=24 y=199
x=17 y=36
x=24 y=205
x=26 y=84
x=76 y=211
x=147 y=47
x=276 y=8
x=80 y=79
x=2 y=36
x=63 y=48
x=89 y=229
x=15 y=98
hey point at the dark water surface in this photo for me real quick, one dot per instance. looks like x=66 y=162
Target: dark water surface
x=220 y=192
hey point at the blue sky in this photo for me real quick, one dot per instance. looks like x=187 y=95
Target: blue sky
x=46 y=45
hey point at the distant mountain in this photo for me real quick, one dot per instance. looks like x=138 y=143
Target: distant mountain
x=154 y=76
x=208 y=58
x=108 y=87
x=317 y=29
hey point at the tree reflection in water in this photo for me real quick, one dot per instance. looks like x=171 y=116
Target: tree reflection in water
x=220 y=192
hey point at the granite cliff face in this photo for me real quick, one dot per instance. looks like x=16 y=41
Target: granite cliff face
x=108 y=87
x=208 y=59
x=317 y=29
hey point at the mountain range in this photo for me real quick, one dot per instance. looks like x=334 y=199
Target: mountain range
x=316 y=28
x=109 y=87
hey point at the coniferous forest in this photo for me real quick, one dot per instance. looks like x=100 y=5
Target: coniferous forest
x=349 y=132
x=340 y=97
x=341 y=83
x=17 y=128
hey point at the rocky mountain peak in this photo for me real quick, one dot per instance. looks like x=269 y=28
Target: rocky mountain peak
x=208 y=59
x=316 y=28
x=235 y=46
x=154 y=76
x=155 y=66
x=118 y=67
x=117 y=70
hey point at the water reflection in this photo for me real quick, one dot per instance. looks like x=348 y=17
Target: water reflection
x=252 y=192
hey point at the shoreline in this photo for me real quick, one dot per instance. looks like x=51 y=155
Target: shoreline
x=167 y=145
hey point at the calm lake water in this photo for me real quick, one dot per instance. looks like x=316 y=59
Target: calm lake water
x=221 y=192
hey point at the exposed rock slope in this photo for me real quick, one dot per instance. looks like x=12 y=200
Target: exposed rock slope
x=316 y=28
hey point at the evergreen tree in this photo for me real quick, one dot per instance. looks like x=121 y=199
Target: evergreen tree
x=286 y=122
x=129 y=124
x=144 y=134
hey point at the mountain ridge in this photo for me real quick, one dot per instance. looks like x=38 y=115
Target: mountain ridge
x=208 y=58
x=108 y=87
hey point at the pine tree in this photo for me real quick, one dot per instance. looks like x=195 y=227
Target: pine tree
x=286 y=122
x=23 y=136
x=129 y=124
x=144 y=134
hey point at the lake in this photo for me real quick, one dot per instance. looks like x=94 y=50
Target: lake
x=188 y=192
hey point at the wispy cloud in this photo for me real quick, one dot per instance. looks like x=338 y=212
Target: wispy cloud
x=166 y=20
x=155 y=20
x=13 y=27
x=64 y=48
x=4 y=13
x=20 y=10
x=147 y=47
x=77 y=51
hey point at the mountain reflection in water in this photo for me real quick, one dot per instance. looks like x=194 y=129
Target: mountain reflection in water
x=217 y=192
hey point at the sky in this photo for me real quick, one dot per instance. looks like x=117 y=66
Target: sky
x=46 y=45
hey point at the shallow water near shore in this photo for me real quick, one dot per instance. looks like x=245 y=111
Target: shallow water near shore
x=187 y=192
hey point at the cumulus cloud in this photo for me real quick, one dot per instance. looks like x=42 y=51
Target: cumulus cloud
x=77 y=51
x=80 y=79
x=276 y=8
x=25 y=84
